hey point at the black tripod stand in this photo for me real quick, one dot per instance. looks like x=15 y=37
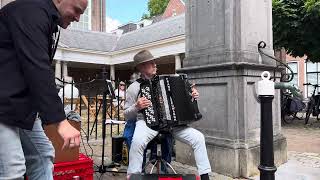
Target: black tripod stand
x=102 y=168
x=159 y=161
x=107 y=91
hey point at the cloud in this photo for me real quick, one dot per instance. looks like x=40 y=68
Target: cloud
x=111 y=24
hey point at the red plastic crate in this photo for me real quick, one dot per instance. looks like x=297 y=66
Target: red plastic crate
x=82 y=168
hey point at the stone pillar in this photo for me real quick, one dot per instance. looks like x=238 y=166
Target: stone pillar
x=58 y=71
x=223 y=60
x=98 y=12
x=177 y=61
x=65 y=69
x=112 y=72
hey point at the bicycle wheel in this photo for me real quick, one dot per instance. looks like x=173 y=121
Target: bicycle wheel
x=289 y=118
x=298 y=118
x=309 y=111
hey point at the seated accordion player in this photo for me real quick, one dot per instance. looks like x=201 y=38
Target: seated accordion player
x=172 y=102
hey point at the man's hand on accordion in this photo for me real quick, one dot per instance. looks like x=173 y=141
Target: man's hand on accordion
x=143 y=103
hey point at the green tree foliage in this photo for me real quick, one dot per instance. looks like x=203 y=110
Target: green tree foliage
x=296 y=27
x=312 y=6
x=155 y=8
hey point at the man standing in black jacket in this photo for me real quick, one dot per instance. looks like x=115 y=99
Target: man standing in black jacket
x=27 y=85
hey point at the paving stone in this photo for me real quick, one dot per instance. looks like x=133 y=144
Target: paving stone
x=303 y=155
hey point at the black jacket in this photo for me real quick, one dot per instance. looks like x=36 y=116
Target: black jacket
x=27 y=84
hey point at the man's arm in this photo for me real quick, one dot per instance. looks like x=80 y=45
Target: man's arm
x=134 y=104
x=29 y=25
x=130 y=108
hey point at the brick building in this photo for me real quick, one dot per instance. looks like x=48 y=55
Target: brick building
x=304 y=72
x=93 y=19
x=174 y=8
x=98 y=15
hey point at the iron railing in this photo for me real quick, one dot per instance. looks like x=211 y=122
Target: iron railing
x=88 y=102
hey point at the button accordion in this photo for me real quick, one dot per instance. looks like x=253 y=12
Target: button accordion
x=172 y=102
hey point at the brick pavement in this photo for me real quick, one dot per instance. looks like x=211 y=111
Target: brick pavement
x=303 y=138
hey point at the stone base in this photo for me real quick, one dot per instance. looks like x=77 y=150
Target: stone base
x=234 y=162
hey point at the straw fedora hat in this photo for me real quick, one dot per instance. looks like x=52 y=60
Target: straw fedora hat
x=142 y=57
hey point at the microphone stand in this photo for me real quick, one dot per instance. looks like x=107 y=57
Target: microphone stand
x=108 y=91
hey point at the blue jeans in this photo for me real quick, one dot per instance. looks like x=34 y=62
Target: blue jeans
x=24 y=151
x=129 y=130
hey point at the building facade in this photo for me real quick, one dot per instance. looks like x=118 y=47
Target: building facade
x=98 y=15
x=304 y=72
x=94 y=18
x=90 y=52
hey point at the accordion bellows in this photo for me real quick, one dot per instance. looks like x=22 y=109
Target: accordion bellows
x=172 y=102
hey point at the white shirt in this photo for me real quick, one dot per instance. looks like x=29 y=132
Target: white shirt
x=121 y=93
x=67 y=91
x=67 y=94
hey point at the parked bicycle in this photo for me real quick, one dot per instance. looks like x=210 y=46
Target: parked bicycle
x=313 y=103
x=290 y=107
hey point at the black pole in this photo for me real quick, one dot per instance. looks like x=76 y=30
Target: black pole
x=63 y=92
x=72 y=85
x=111 y=104
x=80 y=94
x=104 y=118
x=95 y=123
x=97 y=114
x=111 y=101
x=88 y=112
x=266 y=167
x=118 y=102
x=102 y=168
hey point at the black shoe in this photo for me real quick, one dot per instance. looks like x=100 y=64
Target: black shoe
x=205 y=177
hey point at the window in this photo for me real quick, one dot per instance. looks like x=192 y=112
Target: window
x=294 y=67
x=174 y=13
x=85 y=20
x=312 y=76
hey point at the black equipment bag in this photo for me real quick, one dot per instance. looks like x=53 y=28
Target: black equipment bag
x=296 y=105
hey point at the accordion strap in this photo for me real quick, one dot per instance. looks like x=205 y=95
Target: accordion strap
x=140 y=80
